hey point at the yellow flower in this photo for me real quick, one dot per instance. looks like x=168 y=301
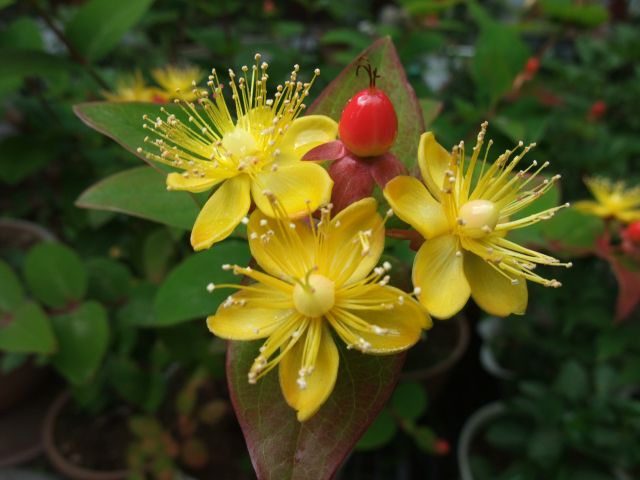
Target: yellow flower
x=317 y=278
x=464 y=215
x=132 y=89
x=178 y=82
x=612 y=200
x=252 y=156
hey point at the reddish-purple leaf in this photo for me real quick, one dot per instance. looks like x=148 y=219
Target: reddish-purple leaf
x=393 y=81
x=326 y=152
x=282 y=448
x=352 y=181
x=385 y=167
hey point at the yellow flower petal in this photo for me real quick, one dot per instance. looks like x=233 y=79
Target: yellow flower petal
x=319 y=384
x=308 y=132
x=438 y=271
x=592 y=208
x=493 y=292
x=413 y=203
x=342 y=255
x=222 y=213
x=299 y=188
x=176 y=181
x=280 y=253
x=399 y=328
x=251 y=321
x=433 y=160
x=629 y=216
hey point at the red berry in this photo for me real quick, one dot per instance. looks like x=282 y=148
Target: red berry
x=632 y=232
x=532 y=66
x=597 y=110
x=442 y=447
x=368 y=124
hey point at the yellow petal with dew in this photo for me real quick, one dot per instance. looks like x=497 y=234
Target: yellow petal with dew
x=300 y=188
x=438 y=272
x=493 y=292
x=413 y=203
x=254 y=319
x=281 y=248
x=308 y=132
x=353 y=244
x=222 y=213
x=433 y=161
x=366 y=319
x=320 y=382
x=177 y=181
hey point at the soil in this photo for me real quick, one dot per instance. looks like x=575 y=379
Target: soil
x=93 y=442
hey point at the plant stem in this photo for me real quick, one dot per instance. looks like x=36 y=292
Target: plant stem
x=73 y=51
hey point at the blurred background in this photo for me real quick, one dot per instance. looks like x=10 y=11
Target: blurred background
x=550 y=395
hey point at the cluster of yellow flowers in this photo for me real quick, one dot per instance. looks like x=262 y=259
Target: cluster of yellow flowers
x=173 y=83
x=318 y=278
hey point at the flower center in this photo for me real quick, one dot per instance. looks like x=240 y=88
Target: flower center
x=314 y=298
x=478 y=218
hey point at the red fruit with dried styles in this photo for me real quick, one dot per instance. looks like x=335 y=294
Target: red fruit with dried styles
x=368 y=124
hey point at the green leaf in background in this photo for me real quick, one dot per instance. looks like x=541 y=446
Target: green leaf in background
x=572 y=229
x=500 y=55
x=98 y=25
x=393 y=81
x=11 y=291
x=142 y=192
x=55 y=275
x=83 y=337
x=157 y=250
x=139 y=310
x=409 y=401
x=27 y=330
x=21 y=157
x=545 y=447
x=379 y=433
x=532 y=235
x=572 y=381
x=17 y=63
x=507 y=434
x=430 y=110
x=135 y=385
x=283 y=448
x=109 y=281
x=184 y=296
x=22 y=33
x=122 y=122
x=586 y=15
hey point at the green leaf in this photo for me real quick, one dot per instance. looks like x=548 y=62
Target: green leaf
x=379 y=433
x=109 y=281
x=572 y=229
x=138 y=311
x=135 y=385
x=409 y=401
x=430 y=110
x=21 y=157
x=16 y=62
x=157 y=250
x=142 y=192
x=184 y=296
x=283 y=448
x=98 y=25
x=507 y=434
x=55 y=274
x=589 y=15
x=83 y=337
x=393 y=81
x=11 y=291
x=545 y=447
x=22 y=33
x=500 y=55
x=122 y=121
x=27 y=330
x=572 y=381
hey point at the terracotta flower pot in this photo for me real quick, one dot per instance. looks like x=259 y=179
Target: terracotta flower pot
x=64 y=465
